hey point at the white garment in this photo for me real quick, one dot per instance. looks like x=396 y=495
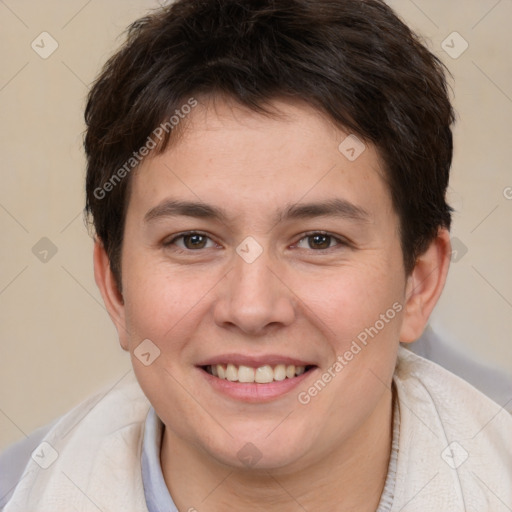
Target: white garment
x=99 y=450
x=445 y=351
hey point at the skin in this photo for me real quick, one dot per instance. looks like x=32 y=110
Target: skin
x=296 y=299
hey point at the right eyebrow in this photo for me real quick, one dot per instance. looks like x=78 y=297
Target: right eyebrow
x=172 y=208
x=335 y=207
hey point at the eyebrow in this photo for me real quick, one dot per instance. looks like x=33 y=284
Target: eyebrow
x=333 y=208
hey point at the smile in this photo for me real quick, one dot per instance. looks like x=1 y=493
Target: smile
x=255 y=378
x=261 y=375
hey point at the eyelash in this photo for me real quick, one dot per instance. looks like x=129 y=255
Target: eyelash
x=341 y=242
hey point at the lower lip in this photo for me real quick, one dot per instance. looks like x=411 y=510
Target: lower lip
x=252 y=392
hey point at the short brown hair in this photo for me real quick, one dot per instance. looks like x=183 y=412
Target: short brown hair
x=353 y=60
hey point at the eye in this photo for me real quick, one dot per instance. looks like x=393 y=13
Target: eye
x=320 y=241
x=192 y=240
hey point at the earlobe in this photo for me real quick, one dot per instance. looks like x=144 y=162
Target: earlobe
x=112 y=297
x=424 y=286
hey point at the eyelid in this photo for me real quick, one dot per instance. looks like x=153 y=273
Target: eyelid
x=342 y=241
x=167 y=243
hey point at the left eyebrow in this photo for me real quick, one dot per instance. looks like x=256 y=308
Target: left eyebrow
x=330 y=208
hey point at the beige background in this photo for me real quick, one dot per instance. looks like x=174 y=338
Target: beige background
x=57 y=342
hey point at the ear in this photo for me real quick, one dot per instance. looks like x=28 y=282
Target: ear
x=112 y=297
x=424 y=286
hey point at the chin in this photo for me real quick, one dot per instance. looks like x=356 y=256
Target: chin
x=256 y=452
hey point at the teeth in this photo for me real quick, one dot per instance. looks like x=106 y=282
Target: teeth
x=280 y=372
x=245 y=374
x=262 y=375
x=231 y=372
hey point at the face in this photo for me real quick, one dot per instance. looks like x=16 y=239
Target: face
x=289 y=271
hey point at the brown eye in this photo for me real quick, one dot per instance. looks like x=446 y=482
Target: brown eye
x=195 y=241
x=190 y=241
x=319 y=241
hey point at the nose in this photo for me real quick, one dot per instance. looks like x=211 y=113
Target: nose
x=254 y=299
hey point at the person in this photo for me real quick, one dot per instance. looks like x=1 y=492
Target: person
x=266 y=181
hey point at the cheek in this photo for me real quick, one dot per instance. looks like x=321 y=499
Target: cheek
x=157 y=299
x=348 y=300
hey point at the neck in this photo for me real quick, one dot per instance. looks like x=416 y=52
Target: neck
x=351 y=478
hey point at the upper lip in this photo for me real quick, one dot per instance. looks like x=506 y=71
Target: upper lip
x=254 y=361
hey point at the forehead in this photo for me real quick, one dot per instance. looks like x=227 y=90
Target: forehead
x=235 y=157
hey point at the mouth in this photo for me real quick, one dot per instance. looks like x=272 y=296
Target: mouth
x=264 y=374
x=255 y=380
